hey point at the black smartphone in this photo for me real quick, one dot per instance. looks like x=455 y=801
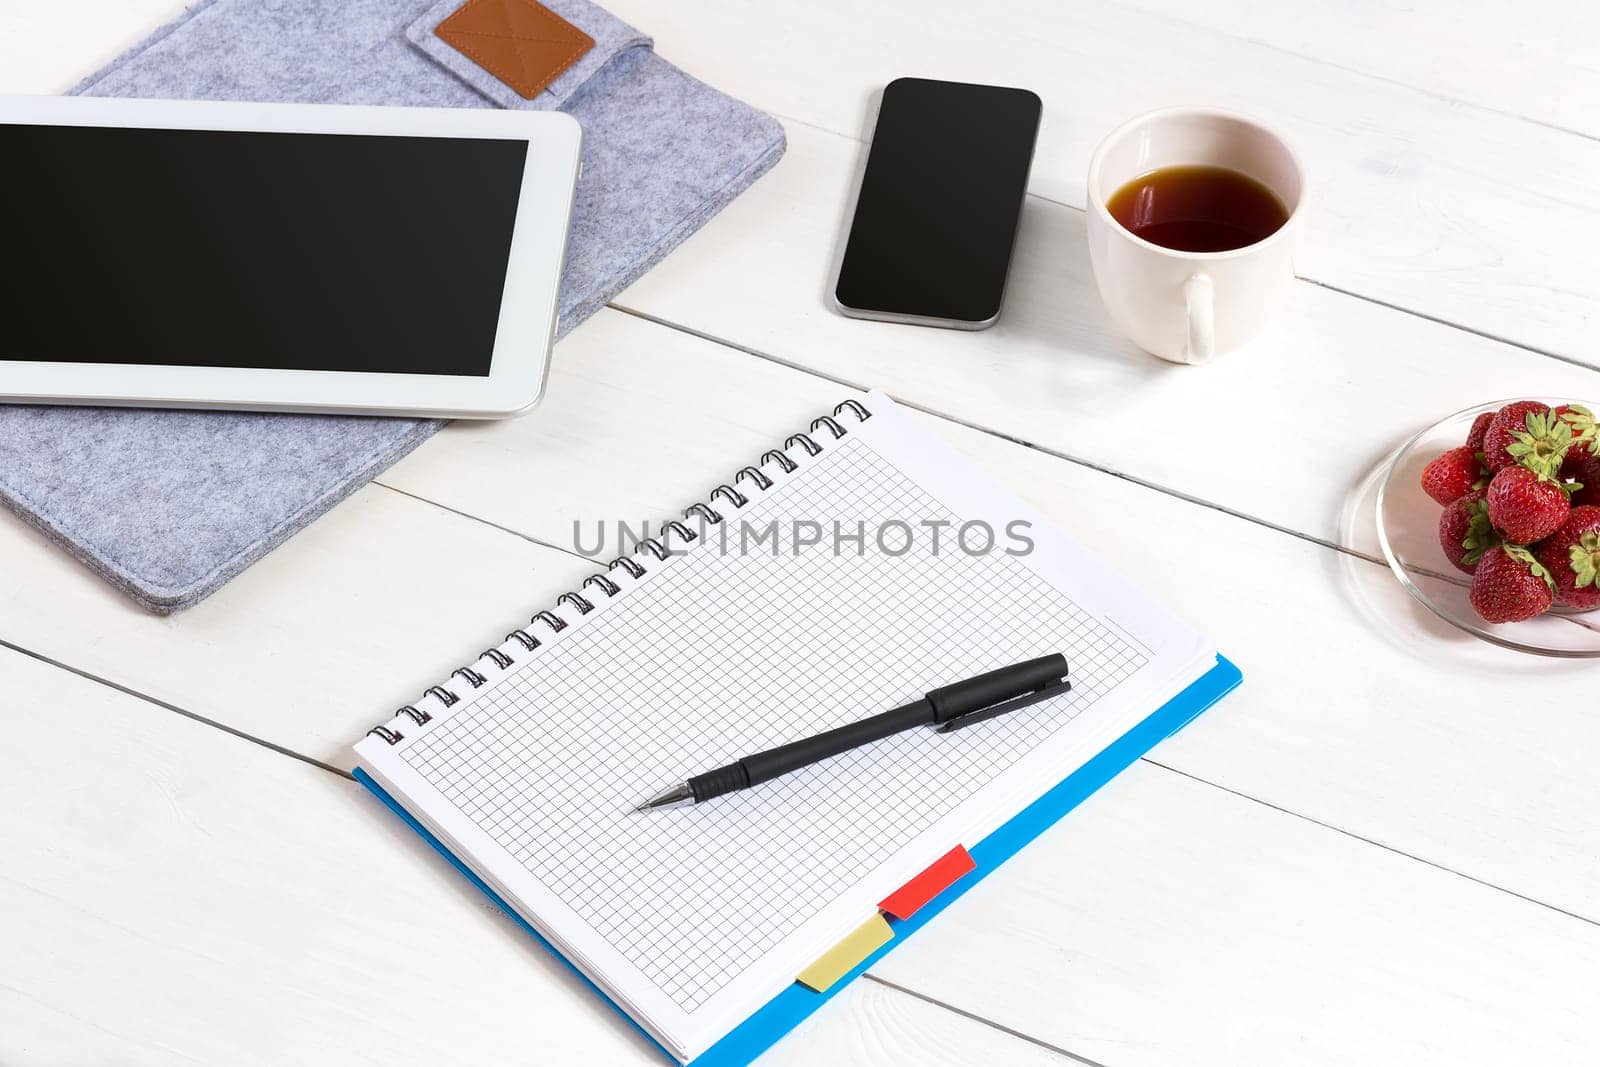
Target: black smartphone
x=940 y=200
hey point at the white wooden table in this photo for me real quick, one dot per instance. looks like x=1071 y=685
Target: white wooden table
x=1385 y=848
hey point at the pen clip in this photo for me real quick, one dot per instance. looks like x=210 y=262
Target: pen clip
x=994 y=711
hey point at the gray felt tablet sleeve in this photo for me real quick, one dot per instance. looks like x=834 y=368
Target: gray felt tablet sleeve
x=169 y=505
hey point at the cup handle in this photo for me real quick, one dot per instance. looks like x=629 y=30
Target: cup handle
x=1197 y=301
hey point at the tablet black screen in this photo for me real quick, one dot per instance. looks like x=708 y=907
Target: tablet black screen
x=243 y=249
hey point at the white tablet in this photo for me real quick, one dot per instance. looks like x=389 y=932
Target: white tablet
x=281 y=257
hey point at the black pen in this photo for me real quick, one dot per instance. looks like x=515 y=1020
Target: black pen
x=949 y=707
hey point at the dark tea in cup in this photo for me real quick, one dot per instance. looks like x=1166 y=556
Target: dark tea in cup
x=1197 y=208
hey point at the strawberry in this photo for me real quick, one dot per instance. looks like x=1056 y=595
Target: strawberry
x=1510 y=585
x=1526 y=507
x=1572 y=556
x=1585 y=438
x=1453 y=474
x=1508 y=421
x=1580 y=418
x=1465 y=532
x=1586 y=470
x=1479 y=425
x=1543 y=446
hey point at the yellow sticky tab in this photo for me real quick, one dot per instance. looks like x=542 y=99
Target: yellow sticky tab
x=839 y=960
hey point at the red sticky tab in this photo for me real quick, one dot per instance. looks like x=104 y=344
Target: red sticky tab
x=940 y=875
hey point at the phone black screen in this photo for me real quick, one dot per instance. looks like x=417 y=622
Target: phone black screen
x=223 y=248
x=937 y=216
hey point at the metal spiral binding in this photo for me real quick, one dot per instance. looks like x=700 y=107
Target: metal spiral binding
x=832 y=425
x=811 y=447
x=762 y=481
x=607 y=586
x=674 y=526
x=628 y=564
x=583 y=606
x=855 y=407
x=785 y=464
x=657 y=546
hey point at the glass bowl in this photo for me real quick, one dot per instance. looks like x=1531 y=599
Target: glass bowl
x=1408 y=532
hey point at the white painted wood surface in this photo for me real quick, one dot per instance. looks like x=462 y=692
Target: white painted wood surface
x=1276 y=431
x=1461 y=213
x=1382 y=849
x=1532 y=60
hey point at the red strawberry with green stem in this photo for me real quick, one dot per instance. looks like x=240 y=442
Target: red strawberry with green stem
x=1465 y=532
x=1510 y=585
x=1580 y=418
x=1453 y=474
x=1509 y=420
x=1543 y=444
x=1572 y=556
x=1585 y=439
x=1526 y=507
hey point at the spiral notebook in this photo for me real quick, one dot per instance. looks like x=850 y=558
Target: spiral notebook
x=850 y=571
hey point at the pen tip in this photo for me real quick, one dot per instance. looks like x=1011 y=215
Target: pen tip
x=678 y=794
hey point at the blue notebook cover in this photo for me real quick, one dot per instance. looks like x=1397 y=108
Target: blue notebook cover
x=786 y=1010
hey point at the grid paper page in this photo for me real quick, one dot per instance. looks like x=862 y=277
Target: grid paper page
x=719 y=655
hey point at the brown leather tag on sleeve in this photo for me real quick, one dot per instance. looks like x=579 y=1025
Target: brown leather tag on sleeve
x=523 y=43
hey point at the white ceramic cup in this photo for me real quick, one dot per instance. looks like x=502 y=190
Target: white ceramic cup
x=1189 y=306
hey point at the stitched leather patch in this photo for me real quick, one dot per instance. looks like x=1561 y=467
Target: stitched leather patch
x=523 y=43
